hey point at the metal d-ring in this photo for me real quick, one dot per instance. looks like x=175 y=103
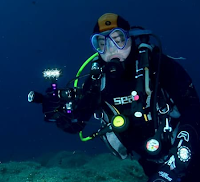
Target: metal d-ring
x=98 y=118
x=164 y=112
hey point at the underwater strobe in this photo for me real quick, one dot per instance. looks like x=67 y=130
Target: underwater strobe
x=52 y=74
x=49 y=74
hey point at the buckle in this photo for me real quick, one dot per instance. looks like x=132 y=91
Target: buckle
x=167 y=127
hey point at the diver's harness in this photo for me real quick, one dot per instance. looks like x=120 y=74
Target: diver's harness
x=142 y=96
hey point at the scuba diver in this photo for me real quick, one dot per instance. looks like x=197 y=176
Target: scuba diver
x=144 y=100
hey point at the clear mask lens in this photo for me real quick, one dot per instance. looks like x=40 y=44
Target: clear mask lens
x=117 y=36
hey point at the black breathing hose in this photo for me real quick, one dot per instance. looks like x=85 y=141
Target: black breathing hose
x=154 y=111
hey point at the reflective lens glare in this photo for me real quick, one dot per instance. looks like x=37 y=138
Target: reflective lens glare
x=117 y=36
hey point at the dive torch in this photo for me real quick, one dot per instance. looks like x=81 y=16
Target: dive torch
x=48 y=74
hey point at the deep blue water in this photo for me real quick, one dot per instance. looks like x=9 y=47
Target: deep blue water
x=35 y=35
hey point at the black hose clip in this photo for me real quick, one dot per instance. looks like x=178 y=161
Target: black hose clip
x=96 y=71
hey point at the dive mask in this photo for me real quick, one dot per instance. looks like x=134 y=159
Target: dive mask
x=116 y=37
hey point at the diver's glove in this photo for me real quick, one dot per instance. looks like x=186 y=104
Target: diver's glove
x=164 y=174
x=51 y=105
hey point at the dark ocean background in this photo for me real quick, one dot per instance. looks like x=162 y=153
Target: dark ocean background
x=39 y=34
